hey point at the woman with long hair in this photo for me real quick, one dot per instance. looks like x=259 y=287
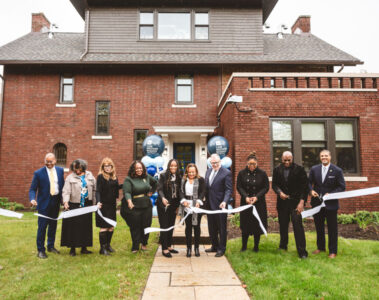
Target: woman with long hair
x=167 y=204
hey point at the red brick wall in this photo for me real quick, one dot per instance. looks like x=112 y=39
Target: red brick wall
x=250 y=131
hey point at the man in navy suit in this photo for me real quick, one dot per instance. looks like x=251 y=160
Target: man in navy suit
x=324 y=179
x=47 y=183
x=218 y=183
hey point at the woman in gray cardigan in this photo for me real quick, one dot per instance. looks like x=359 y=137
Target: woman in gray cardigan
x=192 y=193
x=78 y=191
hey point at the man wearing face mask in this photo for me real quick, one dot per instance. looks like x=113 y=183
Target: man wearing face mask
x=289 y=182
x=47 y=184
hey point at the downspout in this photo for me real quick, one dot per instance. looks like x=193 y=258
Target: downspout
x=340 y=70
x=1 y=100
x=87 y=34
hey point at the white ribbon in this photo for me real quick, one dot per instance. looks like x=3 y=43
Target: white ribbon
x=191 y=210
x=10 y=213
x=341 y=195
x=78 y=212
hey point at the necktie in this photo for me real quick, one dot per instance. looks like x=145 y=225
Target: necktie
x=52 y=182
x=324 y=169
x=213 y=175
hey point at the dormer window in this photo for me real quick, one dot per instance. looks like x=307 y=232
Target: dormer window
x=167 y=25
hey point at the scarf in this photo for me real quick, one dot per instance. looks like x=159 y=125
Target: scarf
x=194 y=199
x=84 y=191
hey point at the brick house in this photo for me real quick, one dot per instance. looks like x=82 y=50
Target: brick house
x=173 y=69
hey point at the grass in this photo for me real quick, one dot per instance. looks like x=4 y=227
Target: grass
x=273 y=274
x=24 y=276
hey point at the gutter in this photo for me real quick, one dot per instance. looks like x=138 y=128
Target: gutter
x=1 y=101
x=87 y=39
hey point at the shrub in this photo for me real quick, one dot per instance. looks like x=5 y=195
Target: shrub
x=235 y=220
x=363 y=218
x=4 y=203
x=346 y=219
x=375 y=217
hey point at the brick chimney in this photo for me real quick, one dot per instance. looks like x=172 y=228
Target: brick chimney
x=302 y=25
x=40 y=23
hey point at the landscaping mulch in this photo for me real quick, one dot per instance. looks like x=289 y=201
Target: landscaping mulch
x=351 y=231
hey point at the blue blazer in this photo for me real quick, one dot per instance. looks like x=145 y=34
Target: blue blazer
x=221 y=188
x=334 y=182
x=41 y=186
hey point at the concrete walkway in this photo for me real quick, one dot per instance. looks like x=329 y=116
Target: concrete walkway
x=202 y=278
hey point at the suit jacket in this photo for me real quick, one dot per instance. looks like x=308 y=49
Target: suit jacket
x=41 y=186
x=220 y=190
x=334 y=182
x=296 y=186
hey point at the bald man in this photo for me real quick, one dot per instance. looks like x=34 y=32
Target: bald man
x=290 y=183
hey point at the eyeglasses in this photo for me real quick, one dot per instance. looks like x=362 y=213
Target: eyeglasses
x=287 y=160
x=252 y=164
x=108 y=166
x=215 y=163
x=49 y=162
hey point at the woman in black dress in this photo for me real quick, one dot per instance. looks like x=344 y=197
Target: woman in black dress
x=192 y=193
x=167 y=204
x=106 y=196
x=252 y=185
x=78 y=191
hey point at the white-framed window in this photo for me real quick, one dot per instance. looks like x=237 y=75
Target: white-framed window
x=173 y=25
x=67 y=89
x=184 y=89
x=102 y=117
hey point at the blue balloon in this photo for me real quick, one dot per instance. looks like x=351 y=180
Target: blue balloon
x=151 y=170
x=159 y=161
x=155 y=212
x=160 y=169
x=226 y=162
x=147 y=161
x=153 y=146
x=219 y=145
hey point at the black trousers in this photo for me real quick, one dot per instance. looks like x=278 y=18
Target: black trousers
x=196 y=229
x=166 y=220
x=138 y=220
x=331 y=220
x=217 y=231
x=284 y=215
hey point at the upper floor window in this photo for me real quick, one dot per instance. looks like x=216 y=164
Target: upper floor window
x=188 y=25
x=305 y=138
x=67 y=89
x=184 y=89
x=102 y=117
x=139 y=137
x=60 y=152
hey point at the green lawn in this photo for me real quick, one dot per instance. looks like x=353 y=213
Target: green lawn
x=24 y=276
x=273 y=274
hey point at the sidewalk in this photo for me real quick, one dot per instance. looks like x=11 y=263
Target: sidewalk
x=202 y=278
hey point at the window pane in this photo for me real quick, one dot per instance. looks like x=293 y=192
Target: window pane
x=346 y=159
x=281 y=131
x=201 y=19
x=146 y=32
x=140 y=135
x=67 y=93
x=146 y=18
x=102 y=118
x=310 y=153
x=184 y=94
x=344 y=132
x=60 y=152
x=67 y=80
x=277 y=149
x=184 y=81
x=313 y=131
x=201 y=33
x=174 y=26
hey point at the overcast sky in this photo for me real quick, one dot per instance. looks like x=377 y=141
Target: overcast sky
x=350 y=25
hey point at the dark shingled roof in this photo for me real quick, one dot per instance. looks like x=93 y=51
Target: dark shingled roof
x=66 y=48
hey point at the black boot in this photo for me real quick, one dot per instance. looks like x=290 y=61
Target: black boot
x=197 y=252
x=85 y=251
x=103 y=243
x=109 y=238
x=72 y=251
x=245 y=238
x=256 y=242
x=189 y=252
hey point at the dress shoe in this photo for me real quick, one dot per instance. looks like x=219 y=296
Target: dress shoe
x=41 y=254
x=53 y=250
x=167 y=254
x=209 y=250
x=173 y=251
x=144 y=248
x=219 y=253
x=109 y=248
x=188 y=252
x=255 y=249
x=332 y=255
x=85 y=251
x=317 y=251
x=243 y=249
x=72 y=252
x=104 y=251
x=197 y=252
x=304 y=256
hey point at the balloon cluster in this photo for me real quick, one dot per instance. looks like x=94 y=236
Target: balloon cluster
x=219 y=145
x=153 y=147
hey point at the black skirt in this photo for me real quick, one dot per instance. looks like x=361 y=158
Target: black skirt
x=77 y=231
x=249 y=224
x=108 y=211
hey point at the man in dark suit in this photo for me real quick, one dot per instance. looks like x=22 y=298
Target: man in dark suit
x=218 y=182
x=47 y=183
x=324 y=179
x=290 y=183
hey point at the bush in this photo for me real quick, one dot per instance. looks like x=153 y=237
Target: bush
x=235 y=220
x=363 y=218
x=4 y=203
x=375 y=217
x=346 y=219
